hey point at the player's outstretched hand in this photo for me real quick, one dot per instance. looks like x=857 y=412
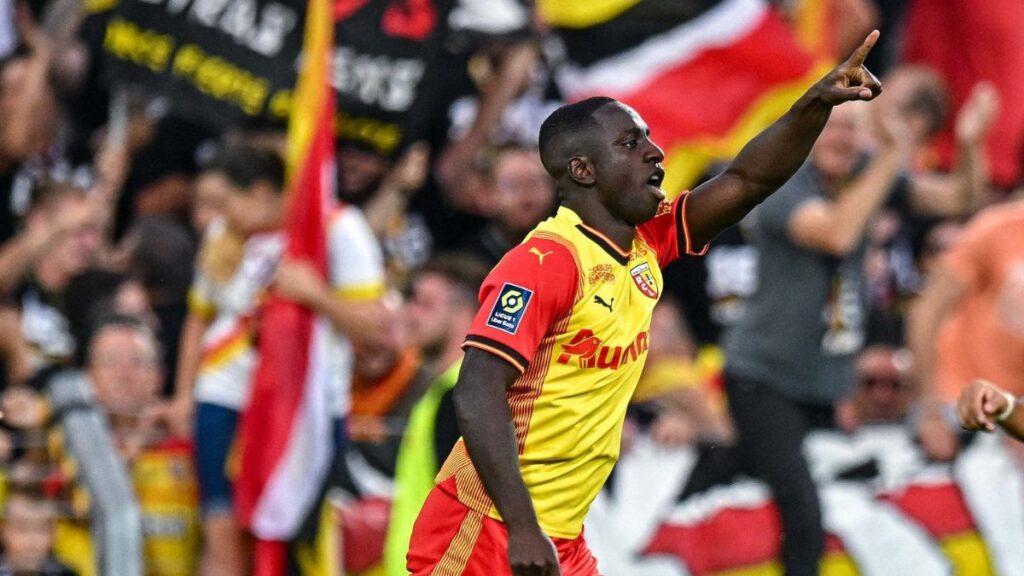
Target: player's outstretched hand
x=978 y=405
x=532 y=553
x=851 y=80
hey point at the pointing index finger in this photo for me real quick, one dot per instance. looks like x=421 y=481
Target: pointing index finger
x=858 y=56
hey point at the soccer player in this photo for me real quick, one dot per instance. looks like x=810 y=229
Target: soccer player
x=561 y=337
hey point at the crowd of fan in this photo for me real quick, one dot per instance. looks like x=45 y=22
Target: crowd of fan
x=99 y=245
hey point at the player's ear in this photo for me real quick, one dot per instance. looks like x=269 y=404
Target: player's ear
x=581 y=170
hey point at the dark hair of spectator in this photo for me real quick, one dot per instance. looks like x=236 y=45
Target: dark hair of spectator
x=245 y=165
x=564 y=124
x=463 y=271
x=119 y=320
x=162 y=244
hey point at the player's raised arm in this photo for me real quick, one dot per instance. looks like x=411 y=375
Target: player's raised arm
x=774 y=155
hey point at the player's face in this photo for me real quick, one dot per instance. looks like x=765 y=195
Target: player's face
x=628 y=167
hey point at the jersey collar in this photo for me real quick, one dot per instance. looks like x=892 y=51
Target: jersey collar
x=596 y=236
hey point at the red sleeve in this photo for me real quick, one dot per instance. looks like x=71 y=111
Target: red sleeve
x=533 y=286
x=668 y=232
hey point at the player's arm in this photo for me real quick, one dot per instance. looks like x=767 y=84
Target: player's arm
x=482 y=409
x=983 y=405
x=533 y=286
x=774 y=155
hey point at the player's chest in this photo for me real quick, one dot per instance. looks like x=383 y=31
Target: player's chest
x=609 y=324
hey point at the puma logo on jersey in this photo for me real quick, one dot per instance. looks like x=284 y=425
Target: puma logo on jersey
x=540 y=255
x=600 y=301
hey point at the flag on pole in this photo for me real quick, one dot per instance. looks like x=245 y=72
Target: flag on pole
x=285 y=432
x=706 y=76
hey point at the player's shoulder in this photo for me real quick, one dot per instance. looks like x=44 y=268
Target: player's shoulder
x=548 y=253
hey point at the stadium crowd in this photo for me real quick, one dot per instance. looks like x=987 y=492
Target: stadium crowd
x=139 y=243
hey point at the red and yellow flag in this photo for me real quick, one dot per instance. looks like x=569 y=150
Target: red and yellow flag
x=285 y=432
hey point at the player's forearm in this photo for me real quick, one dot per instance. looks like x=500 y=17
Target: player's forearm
x=774 y=155
x=485 y=421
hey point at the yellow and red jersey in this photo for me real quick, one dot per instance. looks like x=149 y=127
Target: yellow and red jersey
x=163 y=478
x=571 y=311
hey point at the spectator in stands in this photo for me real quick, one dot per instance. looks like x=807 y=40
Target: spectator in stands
x=882 y=393
x=28 y=116
x=27 y=537
x=382 y=188
x=63 y=232
x=239 y=259
x=440 y=312
x=125 y=374
x=387 y=383
x=125 y=371
x=208 y=194
x=790 y=357
x=524 y=195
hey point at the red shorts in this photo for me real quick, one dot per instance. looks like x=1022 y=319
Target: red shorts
x=450 y=539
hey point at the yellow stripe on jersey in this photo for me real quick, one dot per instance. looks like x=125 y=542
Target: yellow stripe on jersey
x=225 y=351
x=200 y=306
x=361 y=292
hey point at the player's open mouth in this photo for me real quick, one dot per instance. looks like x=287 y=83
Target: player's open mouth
x=655 y=182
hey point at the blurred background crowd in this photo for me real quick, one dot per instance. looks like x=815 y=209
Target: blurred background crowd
x=143 y=195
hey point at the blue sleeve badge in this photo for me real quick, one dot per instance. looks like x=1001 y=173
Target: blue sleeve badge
x=509 y=308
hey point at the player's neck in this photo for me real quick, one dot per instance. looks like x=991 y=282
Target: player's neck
x=596 y=216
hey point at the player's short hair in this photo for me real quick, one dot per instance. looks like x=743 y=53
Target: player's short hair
x=244 y=165
x=563 y=126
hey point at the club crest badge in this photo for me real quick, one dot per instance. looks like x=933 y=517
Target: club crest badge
x=644 y=280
